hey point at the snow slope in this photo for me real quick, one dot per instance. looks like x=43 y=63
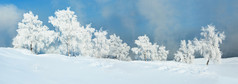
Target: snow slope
x=19 y=66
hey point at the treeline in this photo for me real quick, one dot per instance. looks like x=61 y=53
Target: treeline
x=73 y=39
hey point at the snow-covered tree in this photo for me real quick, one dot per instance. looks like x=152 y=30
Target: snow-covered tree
x=146 y=51
x=209 y=44
x=85 y=41
x=118 y=49
x=158 y=52
x=143 y=49
x=154 y=52
x=67 y=26
x=47 y=37
x=185 y=53
x=32 y=34
x=101 y=44
x=162 y=53
x=179 y=56
x=80 y=41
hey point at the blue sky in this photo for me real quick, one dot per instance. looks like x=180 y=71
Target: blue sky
x=164 y=21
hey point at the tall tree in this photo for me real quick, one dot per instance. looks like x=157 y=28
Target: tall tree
x=32 y=34
x=66 y=24
x=210 y=44
x=185 y=53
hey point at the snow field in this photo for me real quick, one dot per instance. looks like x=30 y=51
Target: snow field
x=20 y=66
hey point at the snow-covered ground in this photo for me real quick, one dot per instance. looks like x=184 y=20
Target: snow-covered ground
x=19 y=66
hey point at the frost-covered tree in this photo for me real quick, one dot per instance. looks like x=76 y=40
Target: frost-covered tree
x=47 y=38
x=143 y=49
x=158 y=52
x=185 y=53
x=81 y=41
x=154 y=52
x=162 y=53
x=32 y=34
x=85 y=43
x=67 y=26
x=146 y=51
x=101 y=44
x=118 y=49
x=209 y=44
x=180 y=54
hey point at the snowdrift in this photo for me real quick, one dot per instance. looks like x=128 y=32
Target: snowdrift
x=20 y=66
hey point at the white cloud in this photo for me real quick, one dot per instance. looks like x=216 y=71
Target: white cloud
x=161 y=16
x=122 y=10
x=10 y=15
x=159 y=12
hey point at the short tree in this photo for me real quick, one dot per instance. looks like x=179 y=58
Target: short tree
x=146 y=51
x=154 y=52
x=185 y=53
x=158 y=52
x=162 y=53
x=118 y=49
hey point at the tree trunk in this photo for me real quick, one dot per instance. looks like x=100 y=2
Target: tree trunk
x=207 y=61
x=68 y=45
x=145 y=57
x=31 y=47
x=68 y=49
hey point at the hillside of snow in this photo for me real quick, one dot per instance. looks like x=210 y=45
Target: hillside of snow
x=20 y=66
